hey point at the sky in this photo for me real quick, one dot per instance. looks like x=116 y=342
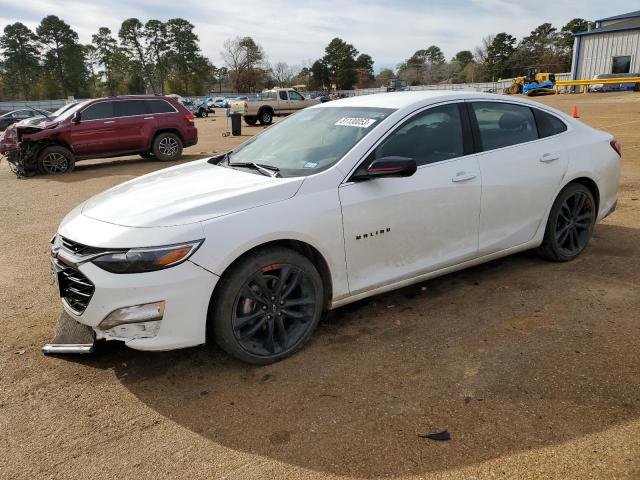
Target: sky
x=296 y=32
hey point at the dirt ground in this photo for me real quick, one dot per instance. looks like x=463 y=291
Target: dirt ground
x=533 y=367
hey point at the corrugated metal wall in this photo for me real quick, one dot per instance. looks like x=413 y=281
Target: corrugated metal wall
x=597 y=52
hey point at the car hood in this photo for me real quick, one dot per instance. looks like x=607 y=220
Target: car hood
x=188 y=193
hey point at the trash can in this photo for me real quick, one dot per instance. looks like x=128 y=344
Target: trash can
x=236 y=124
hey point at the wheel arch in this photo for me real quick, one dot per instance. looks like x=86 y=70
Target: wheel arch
x=268 y=108
x=591 y=185
x=304 y=248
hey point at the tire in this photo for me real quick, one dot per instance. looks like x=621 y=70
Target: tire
x=266 y=117
x=55 y=160
x=253 y=289
x=203 y=113
x=251 y=120
x=147 y=155
x=570 y=224
x=167 y=147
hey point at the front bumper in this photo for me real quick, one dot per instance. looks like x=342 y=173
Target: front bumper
x=186 y=290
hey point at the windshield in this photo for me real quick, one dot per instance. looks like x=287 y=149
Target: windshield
x=67 y=113
x=61 y=110
x=311 y=140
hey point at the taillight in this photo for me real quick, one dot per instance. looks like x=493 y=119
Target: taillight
x=190 y=116
x=616 y=146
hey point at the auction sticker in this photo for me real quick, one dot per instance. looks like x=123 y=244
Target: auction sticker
x=356 y=122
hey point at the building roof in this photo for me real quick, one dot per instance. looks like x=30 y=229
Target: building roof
x=631 y=24
x=621 y=17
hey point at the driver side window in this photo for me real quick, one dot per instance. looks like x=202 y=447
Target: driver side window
x=430 y=136
x=295 y=96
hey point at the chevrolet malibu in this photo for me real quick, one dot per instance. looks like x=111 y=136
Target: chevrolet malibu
x=336 y=203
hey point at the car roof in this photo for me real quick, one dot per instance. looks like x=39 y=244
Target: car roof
x=400 y=100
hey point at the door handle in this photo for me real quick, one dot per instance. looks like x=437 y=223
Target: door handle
x=148 y=118
x=463 y=177
x=109 y=121
x=548 y=157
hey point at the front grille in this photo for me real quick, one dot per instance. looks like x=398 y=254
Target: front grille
x=75 y=288
x=80 y=249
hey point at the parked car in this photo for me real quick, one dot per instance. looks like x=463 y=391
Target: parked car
x=152 y=126
x=339 y=202
x=271 y=103
x=218 y=102
x=615 y=87
x=17 y=115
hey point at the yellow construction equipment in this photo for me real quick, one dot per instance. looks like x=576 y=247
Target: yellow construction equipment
x=535 y=82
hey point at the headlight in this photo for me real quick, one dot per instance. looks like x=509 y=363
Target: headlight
x=138 y=260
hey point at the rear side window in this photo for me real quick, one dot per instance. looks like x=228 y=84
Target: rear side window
x=160 y=106
x=128 y=108
x=98 y=111
x=548 y=125
x=504 y=124
x=430 y=136
x=283 y=95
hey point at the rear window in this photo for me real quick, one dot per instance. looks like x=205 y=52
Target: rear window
x=98 y=111
x=548 y=125
x=128 y=108
x=504 y=124
x=160 y=106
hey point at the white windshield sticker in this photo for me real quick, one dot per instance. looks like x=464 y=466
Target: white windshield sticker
x=356 y=122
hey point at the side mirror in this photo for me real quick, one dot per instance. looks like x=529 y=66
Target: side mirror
x=387 y=167
x=76 y=117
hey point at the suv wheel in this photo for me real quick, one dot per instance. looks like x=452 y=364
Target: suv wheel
x=570 y=224
x=265 y=117
x=203 y=113
x=167 y=147
x=267 y=306
x=55 y=160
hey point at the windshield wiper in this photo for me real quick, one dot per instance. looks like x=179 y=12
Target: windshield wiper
x=268 y=170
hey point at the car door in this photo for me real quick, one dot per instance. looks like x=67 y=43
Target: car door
x=283 y=102
x=521 y=173
x=135 y=124
x=296 y=101
x=399 y=228
x=96 y=131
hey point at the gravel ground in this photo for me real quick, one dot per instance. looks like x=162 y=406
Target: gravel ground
x=532 y=366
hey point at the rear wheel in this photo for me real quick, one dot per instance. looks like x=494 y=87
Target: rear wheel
x=55 y=160
x=267 y=307
x=570 y=224
x=250 y=120
x=265 y=117
x=203 y=113
x=167 y=147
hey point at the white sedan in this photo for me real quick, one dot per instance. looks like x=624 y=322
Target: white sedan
x=338 y=202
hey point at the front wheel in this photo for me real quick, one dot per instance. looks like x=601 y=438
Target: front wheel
x=265 y=117
x=203 y=113
x=167 y=147
x=55 y=160
x=570 y=224
x=267 y=306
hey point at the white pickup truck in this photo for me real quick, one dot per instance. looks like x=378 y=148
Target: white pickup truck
x=271 y=103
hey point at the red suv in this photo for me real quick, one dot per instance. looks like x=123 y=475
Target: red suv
x=151 y=126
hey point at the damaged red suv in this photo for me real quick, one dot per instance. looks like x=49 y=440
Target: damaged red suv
x=152 y=126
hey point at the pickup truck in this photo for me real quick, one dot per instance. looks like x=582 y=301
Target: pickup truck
x=271 y=103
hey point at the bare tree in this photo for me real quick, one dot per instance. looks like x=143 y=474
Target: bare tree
x=282 y=74
x=246 y=61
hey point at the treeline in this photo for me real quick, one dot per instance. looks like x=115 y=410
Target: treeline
x=165 y=57
x=154 y=57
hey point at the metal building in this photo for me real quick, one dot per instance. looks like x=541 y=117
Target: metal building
x=613 y=47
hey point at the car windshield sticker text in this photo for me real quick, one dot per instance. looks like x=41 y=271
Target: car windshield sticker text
x=356 y=122
x=310 y=165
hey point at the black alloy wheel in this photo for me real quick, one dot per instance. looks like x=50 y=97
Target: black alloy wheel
x=570 y=223
x=267 y=306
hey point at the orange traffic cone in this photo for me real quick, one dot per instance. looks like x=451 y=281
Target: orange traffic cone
x=574 y=112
